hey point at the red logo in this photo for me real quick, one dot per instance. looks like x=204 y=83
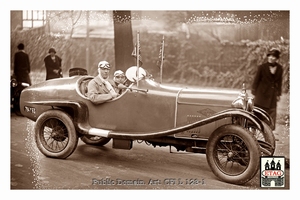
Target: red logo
x=272 y=173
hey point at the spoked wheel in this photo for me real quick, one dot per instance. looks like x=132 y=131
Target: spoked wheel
x=233 y=154
x=95 y=140
x=266 y=139
x=55 y=134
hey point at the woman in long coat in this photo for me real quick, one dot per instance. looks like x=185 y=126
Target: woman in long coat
x=267 y=84
x=53 y=65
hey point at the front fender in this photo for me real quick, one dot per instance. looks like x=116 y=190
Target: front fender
x=264 y=116
x=245 y=114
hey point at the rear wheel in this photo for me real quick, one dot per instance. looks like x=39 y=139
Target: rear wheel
x=233 y=154
x=55 y=134
x=95 y=140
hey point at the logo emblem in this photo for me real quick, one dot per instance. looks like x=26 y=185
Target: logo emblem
x=206 y=112
x=272 y=171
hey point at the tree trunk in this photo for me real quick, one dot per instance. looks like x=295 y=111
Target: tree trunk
x=123 y=40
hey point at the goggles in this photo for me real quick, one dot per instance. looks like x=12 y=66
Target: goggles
x=105 y=66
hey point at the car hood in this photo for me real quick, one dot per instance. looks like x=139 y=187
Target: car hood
x=193 y=94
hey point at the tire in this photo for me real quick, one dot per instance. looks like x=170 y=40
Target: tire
x=55 y=134
x=95 y=140
x=266 y=139
x=233 y=154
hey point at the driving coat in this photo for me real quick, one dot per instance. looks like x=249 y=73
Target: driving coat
x=97 y=91
x=267 y=86
x=22 y=67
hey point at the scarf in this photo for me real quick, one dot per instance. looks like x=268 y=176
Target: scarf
x=108 y=86
x=273 y=68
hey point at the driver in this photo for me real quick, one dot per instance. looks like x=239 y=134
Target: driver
x=100 y=88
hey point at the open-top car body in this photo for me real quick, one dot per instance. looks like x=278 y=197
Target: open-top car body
x=223 y=124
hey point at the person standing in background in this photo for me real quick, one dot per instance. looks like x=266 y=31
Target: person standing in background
x=267 y=84
x=22 y=65
x=53 y=65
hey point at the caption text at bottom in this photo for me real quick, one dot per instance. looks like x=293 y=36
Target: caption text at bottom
x=166 y=181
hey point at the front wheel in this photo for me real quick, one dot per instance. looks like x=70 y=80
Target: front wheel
x=55 y=134
x=266 y=139
x=233 y=154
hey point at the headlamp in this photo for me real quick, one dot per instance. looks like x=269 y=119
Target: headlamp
x=243 y=101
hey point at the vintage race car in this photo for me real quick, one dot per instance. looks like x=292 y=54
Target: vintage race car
x=223 y=124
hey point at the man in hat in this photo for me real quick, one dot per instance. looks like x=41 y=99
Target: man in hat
x=266 y=86
x=100 y=88
x=53 y=65
x=22 y=65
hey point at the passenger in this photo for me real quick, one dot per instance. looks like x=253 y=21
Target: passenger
x=100 y=88
x=119 y=78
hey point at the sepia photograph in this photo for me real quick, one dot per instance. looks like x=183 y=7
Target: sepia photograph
x=111 y=98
